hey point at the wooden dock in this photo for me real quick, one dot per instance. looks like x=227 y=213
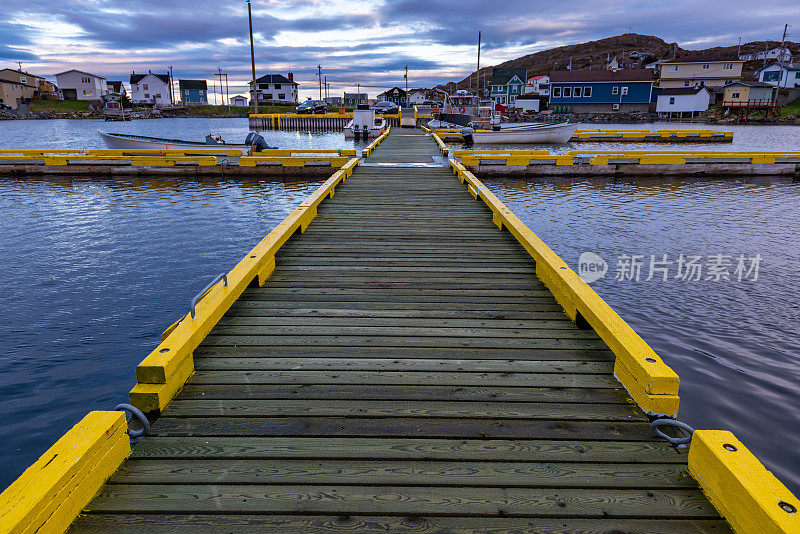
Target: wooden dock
x=403 y=369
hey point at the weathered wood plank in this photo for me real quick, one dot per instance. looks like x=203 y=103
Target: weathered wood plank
x=403 y=473
x=405 y=408
x=546 y=502
x=509 y=450
x=328 y=524
x=404 y=341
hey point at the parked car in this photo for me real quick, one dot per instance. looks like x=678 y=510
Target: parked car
x=312 y=106
x=431 y=103
x=386 y=107
x=3 y=105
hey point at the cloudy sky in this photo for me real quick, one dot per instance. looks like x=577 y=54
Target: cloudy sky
x=355 y=42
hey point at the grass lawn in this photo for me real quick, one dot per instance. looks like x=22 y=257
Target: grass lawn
x=792 y=108
x=60 y=105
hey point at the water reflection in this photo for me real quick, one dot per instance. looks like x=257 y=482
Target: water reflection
x=734 y=344
x=94 y=271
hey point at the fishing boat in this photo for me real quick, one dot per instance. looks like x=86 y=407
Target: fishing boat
x=129 y=141
x=560 y=132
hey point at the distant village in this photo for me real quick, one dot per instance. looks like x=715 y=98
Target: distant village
x=634 y=82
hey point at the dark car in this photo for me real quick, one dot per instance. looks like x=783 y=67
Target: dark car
x=386 y=107
x=3 y=105
x=312 y=106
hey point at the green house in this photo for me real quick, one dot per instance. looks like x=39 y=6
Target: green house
x=507 y=85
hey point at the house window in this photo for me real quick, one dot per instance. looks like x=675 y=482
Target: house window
x=277 y=86
x=706 y=66
x=624 y=90
x=567 y=92
x=672 y=101
x=587 y=91
x=735 y=95
x=158 y=95
x=147 y=95
x=87 y=92
x=268 y=97
x=615 y=90
x=263 y=86
x=282 y=97
x=686 y=83
x=23 y=79
x=144 y=86
x=186 y=92
x=673 y=68
x=728 y=66
x=85 y=79
x=556 y=92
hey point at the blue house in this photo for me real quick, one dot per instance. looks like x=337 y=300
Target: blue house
x=602 y=91
x=193 y=92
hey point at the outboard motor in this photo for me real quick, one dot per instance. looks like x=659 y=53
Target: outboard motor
x=466 y=136
x=256 y=142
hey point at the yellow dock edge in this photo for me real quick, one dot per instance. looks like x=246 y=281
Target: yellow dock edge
x=744 y=492
x=162 y=374
x=375 y=143
x=50 y=494
x=654 y=383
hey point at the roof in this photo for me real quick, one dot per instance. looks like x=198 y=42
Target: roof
x=675 y=91
x=24 y=73
x=534 y=78
x=82 y=72
x=704 y=59
x=192 y=85
x=503 y=76
x=788 y=66
x=116 y=84
x=136 y=78
x=602 y=75
x=236 y=97
x=394 y=91
x=15 y=82
x=751 y=84
x=275 y=78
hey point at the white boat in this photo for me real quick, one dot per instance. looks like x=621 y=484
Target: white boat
x=128 y=141
x=365 y=125
x=528 y=134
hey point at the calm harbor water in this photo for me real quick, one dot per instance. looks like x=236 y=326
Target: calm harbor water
x=95 y=270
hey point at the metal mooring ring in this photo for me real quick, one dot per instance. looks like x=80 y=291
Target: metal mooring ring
x=135 y=435
x=674 y=423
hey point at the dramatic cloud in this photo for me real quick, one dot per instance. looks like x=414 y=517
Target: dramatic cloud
x=355 y=42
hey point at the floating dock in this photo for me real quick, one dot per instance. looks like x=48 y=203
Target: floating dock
x=400 y=354
x=627 y=136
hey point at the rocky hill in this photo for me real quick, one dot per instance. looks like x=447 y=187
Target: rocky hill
x=594 y=54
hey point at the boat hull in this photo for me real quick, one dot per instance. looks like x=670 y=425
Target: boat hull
x=561 y=133
x=140 y=142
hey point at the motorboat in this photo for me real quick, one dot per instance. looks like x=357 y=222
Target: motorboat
x=365 y=124
x=253 y=142
x=559 y=132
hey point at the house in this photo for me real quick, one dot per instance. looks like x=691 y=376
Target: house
x=777 y=54
x=239 y=101
x=416 y=97
x=80 y=85
x=151 y=88
x=785 y=76
x=118 y=87
x=395 y=94
x=749 y=93
x=691 y=71
x=352 y=100
x=17 y=87
x=507 y=84
x=538 y=85
x=193 y=92
x=529 y=102
x=680 y=101
x=333 y=101
x=601 y=91
x=276 y=89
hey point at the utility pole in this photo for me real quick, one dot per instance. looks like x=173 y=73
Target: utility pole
x=213 y=90
x=783 y=44
x=325 y=81
x=319 y=78
x=227 y=94
x=171 y=87
x=739 y=48
x=478 y=72
x=20 y=65
x=252 y=59
x=406 y=77
x=766 y=49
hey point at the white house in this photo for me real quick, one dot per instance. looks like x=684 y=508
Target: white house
x=538 y=85
x=778 y=54
x=150 y=89
x=681 y=100
x=415 y=98
x=527 y=103
x=239 y=101
x=79 y=85
x=276 y=89
x=781 y=76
